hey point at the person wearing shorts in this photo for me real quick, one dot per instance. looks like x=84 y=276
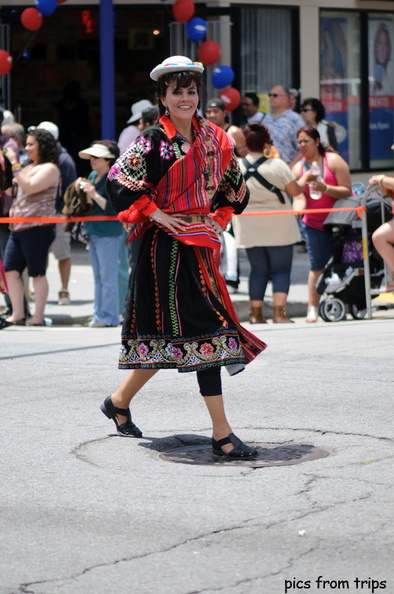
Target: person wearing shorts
x=29 y=241
x=61 y=247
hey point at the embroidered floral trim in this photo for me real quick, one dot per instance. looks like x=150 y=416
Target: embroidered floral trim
x=187 y=354
x=166 y=150
x=114 y=171
x=146 y=144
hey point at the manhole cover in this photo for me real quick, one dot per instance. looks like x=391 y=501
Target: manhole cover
x=268 y=455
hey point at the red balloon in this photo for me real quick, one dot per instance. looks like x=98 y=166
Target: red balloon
x=5 y=62
x=231 y=98
x=209 y=52
x=31 y=19
x=183 y=10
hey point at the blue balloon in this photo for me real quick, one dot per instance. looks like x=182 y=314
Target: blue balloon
x=196 y=29
x=222 y=76
x=46 y=7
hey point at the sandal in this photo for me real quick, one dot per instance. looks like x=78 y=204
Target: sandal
x=21 y=322
x=29 y=323
x=239 y=451
x=64 y=297
x=4 y=323
x=128 y=429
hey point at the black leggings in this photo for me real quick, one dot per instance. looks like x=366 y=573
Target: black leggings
x=210 y=381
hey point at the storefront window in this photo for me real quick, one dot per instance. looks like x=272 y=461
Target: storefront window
x=266 y=48
x=340 y=80
x=381 y=89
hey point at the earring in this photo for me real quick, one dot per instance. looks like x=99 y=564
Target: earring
x=267 y=153
x=167 y=113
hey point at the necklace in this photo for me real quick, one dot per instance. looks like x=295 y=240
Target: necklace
x=188 y=141
x=186 y=136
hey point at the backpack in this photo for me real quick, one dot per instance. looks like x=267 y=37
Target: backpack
x=251 y=170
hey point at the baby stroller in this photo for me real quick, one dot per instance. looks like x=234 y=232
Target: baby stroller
x=342 y=280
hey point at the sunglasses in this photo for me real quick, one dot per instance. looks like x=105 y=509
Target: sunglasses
x=307 y=109
x=277 y=95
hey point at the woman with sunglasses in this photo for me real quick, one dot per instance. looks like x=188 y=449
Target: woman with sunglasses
x=313 y=113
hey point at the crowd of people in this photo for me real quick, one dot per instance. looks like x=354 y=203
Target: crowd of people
x=275 y=152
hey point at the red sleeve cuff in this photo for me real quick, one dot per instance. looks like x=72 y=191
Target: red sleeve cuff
x=139 y=211
x=223 y=215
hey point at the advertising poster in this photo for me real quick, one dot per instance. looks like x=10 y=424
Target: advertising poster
x=381 y=84
x=333 y=76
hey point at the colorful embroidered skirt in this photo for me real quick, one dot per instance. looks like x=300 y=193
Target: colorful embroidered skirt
x=178 y=312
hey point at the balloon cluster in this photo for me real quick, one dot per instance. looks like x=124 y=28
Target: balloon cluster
x=208 y=52
x=31 y=19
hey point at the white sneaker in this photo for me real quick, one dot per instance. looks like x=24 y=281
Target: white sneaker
x=312 y=314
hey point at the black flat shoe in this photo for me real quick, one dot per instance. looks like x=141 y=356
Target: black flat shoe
x=127 y=429
x=240 y=450
x=4 y=323
x=21 y=322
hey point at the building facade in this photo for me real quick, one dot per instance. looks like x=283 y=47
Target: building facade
x=340 y=51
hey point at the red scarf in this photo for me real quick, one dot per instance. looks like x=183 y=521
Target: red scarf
x=189 y=184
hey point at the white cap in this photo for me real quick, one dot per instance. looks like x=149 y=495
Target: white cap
x=8 y=117
x=50 y=127
x=176 y=64
x=137 y=109
x=100 y=151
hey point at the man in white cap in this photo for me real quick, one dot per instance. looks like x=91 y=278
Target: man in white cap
x=131 y=132
x=61 y=245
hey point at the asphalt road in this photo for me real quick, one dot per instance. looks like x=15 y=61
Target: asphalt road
x=86 y=512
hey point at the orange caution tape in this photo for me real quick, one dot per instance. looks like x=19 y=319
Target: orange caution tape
x=359 y=210
x=49 y=220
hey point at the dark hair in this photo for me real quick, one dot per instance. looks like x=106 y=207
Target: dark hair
x=254 y=98
x=317 y=106
x=257 y=135
x=182 y=80
x=112 y=147
x=150 y=115
x=314 y=134
x=48 y=151
x=382 y=29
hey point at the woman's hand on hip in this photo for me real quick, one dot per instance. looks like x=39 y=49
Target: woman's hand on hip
x=173 y=222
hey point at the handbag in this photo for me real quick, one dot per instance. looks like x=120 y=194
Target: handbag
x=3 y=279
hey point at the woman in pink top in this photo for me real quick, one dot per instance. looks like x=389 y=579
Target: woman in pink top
x=334 y=183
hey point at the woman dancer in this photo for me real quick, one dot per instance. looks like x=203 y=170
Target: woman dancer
x=179 y=184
